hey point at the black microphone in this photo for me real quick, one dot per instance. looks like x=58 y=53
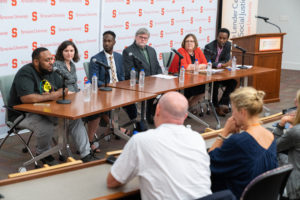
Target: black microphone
x=178 y=54
x=210 y=51
x=240 y=48
x=100 y=63
x=136 y=58
x=261 y=17
x=58 y=71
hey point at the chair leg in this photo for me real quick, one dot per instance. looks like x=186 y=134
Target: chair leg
x=24 y=150
x=4 y=139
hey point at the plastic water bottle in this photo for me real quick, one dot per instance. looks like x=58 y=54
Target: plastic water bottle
x=135 y=132
x=189 y=126
x=181 y=75
x=196 y=67
x=87 y=91
x=209 y=68
x=132 y=77
x=94 y=83
x=233 y=64
x=142 y=78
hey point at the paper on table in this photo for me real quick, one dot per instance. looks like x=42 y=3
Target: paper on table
x=204 y=71
x=164 y=76
x=247 y=66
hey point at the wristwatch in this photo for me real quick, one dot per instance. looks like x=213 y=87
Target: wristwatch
x=280 y=127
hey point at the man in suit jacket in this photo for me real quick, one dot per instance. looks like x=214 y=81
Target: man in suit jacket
x=143 y=57
x=218 y=52
x=116 y=73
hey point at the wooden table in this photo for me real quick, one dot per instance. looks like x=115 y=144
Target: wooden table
x=100 y=102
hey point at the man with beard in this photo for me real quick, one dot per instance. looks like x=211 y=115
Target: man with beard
x=35 y=82
x=218 y=52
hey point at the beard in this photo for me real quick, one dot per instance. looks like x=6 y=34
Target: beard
x=44 y=71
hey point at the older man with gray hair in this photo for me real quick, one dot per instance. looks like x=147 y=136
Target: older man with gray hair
x=141 y=56
x=171 y=161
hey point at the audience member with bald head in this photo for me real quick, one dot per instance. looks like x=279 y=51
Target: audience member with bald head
x=170 y=161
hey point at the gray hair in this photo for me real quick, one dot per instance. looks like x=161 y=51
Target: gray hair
x=142 y=31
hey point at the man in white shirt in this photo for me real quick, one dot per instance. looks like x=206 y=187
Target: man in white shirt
x=171 y=161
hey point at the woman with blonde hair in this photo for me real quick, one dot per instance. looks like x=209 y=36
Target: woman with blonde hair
x=249 y=151
x=289 y=140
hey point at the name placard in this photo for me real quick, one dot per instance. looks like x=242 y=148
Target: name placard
x=269 y=43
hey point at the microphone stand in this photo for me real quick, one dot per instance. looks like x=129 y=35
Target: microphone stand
x=63 y=100
x=105 y=88
x=266 y=20
x=243 y=57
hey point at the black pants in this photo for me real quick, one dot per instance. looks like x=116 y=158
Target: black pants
x=230 y=86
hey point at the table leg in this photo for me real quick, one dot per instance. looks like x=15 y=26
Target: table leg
x=218 y=126
x=115 y=114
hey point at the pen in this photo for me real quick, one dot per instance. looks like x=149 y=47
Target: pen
x=41 y=104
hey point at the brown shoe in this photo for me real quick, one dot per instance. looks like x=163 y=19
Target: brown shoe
x=220 y=112
x=225 y=109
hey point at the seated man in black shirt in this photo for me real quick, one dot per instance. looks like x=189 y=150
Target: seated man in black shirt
x=218 y=52
x=36 y=82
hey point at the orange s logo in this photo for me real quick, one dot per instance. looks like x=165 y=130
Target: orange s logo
x=151 y=23
x=161 y=34
x=140 y=12
x=127 y=2
x=71 y=15
x=34 y=16
x=86 y=28
x=171 y=43
x=52 y=28
x=114 y=13
x=162 y=11
x=192 y=20
x=127 y=25
x=201 y=9
x=160 y=56
x=207 y=39
x=200 y=29
x=14 y=32
x=152 y=2
x=34 y=45
x=53 y=2
x=14 y=63
x=172 y=22
x=14 y=2
x=182 y=9
x=86 y=54
x=181 y=31
x=209 y=19
x=87 y=2
x=173 y=1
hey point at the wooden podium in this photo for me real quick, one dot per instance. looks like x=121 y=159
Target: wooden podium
x=263 y=50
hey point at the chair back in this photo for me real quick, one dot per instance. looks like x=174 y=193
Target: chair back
x=86 y=69
x=167 y=58
x=269 y=185
x=5 y=85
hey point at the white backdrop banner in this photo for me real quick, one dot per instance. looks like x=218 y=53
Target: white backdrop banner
x=239 y=17
x=28 y=24
x=167 y=20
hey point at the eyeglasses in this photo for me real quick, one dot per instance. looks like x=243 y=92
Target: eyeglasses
x=143 y=38
x=189 y=41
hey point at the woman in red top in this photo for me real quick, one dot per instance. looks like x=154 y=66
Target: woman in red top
x=190 y=52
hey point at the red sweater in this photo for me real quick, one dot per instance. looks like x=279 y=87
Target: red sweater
x=186 y=59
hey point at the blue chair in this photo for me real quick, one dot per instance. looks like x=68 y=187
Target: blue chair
x=269 y=185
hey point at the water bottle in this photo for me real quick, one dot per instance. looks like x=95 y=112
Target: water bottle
x=87 y=91
x=142 y=78
x=94 y=83
x=135 y=132
x=189 y=126
x=132 y=77
x=181 y=75
x=196 y=67
x=233 y=64
x=209 y=68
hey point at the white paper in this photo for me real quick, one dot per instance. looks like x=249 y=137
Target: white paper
x=164 y=76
